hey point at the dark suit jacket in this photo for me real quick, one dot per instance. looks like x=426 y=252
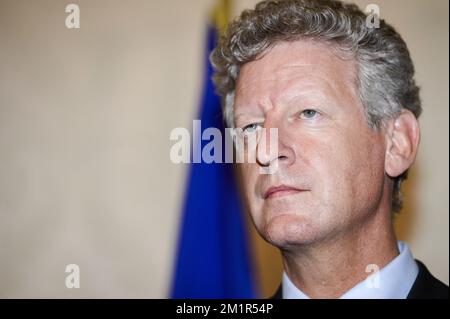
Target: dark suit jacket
x=425 y=286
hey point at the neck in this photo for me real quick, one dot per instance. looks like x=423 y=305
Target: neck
x=329 y=268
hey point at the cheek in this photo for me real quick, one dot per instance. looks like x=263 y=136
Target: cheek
x=327 y=165
x=370 y=176
x=249 y=175
x=358 y=164
x=254 y=204
x=348 y=165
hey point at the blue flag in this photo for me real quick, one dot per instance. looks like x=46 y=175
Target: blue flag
x=213 y=258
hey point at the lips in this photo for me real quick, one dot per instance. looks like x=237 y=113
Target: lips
x=279 y=191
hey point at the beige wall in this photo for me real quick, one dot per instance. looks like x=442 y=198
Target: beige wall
x=85 y=117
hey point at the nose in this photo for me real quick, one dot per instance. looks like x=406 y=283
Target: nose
x=272 y=147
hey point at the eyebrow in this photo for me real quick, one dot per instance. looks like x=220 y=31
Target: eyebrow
x=241 y=115
x=244 y=116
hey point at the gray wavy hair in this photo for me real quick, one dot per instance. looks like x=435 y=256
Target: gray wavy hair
x=385 y=72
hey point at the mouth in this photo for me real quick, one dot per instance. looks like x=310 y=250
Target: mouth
x=280 y=191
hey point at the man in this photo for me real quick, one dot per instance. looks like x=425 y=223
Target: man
x=341 y=93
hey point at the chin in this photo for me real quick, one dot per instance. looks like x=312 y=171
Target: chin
x=286 y=230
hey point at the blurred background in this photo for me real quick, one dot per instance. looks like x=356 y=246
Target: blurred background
x=85 y=119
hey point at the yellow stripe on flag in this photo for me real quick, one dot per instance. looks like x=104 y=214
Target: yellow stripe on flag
x=221 y=15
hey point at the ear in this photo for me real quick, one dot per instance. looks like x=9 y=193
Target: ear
x=402 y=140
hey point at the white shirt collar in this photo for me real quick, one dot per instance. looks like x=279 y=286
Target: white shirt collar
x=394 y=281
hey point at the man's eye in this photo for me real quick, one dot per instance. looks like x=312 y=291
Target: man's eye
x=309 y=114
x=251 y=128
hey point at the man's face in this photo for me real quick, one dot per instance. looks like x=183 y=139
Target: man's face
x=330 y=176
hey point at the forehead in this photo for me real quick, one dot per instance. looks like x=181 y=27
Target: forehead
x=298 y=64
